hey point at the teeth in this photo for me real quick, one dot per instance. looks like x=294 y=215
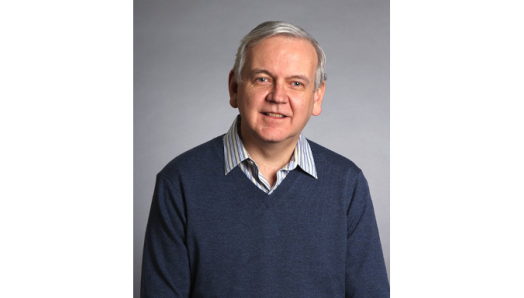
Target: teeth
x=275 y=115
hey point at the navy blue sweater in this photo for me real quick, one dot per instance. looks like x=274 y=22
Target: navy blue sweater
x=216 y=235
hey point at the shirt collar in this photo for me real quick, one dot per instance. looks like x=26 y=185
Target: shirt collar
x=235 y=152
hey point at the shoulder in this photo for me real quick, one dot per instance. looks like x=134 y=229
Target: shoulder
x=327 y=160
x=203 y=156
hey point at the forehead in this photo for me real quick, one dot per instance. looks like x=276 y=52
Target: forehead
x=283 y=53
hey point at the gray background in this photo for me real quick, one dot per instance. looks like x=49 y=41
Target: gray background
x=184 y=50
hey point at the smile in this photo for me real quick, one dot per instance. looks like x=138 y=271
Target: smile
x=275 y=115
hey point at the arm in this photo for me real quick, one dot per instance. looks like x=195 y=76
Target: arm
x=366 y=275
x=165 y=265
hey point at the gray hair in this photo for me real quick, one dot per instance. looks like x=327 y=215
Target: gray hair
x=272 y=28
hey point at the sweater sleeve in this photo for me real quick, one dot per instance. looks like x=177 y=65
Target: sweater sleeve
x=165 y=265
x=366 y=275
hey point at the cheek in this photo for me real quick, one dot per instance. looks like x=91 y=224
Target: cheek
x=299 y=104
x=257 y=96
x=254 y=98
x=302 y=108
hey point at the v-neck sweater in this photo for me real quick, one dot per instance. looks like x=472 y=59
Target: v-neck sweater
x=216 y=235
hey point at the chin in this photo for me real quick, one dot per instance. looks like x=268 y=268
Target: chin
x=275 y=139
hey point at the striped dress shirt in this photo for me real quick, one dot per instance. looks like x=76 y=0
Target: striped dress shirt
x=236 y=155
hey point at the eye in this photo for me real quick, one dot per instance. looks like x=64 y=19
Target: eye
x=296 y=84
x=261 y=80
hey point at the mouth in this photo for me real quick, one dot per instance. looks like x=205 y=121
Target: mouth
x=275 y=115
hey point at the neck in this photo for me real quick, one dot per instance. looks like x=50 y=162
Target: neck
x=270 y=157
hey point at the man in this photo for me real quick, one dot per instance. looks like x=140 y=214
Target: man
x=261 y=211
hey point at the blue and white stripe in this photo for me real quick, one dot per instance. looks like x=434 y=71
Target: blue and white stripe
x=236 y=155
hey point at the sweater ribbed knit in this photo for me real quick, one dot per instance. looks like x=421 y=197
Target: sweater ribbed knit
x=216 y=235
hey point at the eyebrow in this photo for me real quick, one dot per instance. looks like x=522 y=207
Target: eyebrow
x=259 y=71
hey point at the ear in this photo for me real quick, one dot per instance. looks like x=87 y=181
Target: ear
x=233 y=90
x=318 y=97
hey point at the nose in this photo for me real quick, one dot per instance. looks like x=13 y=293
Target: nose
x=277 y=93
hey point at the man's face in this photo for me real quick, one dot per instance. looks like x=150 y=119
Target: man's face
x=276 y=97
